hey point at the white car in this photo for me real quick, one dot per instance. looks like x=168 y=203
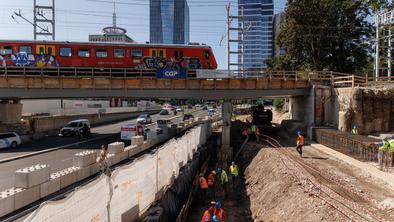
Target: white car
x=144 y=119
x=9 y=140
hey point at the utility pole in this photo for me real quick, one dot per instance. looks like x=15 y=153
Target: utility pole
x=240 y=31
x=377 y=47
x=39 y=19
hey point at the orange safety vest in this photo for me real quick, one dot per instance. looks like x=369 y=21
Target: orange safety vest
x=203 y=183
x=301 y=140
x=211 y=179
x=206 y=217
x=220 y=214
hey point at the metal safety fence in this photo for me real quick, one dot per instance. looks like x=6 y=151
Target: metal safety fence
x=131 y=189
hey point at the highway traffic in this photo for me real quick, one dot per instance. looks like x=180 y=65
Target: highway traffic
x=64 y=148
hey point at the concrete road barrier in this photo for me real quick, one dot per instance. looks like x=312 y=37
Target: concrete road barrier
x=116 y=147
x=67 y=176
x=50 y=187
x=137 y=140
x=7 y=201
x=85 y=158
x=83 y=172
x=32 y=176
x=27 y=196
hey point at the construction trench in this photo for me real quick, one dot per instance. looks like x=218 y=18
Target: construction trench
x=276 y=184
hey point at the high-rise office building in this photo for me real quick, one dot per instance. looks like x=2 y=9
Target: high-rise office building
x=169 y=21
x=256 y=32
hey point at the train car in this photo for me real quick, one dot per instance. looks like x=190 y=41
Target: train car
x=109 y=55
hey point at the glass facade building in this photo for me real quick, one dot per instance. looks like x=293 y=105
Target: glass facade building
x=258 y=32
x=169 y=21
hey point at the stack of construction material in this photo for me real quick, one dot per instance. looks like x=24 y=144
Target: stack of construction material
x=357 y=146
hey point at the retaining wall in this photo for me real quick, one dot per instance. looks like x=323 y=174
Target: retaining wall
x=45 y=124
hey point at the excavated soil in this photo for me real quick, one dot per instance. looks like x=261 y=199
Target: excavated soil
x=275 y=195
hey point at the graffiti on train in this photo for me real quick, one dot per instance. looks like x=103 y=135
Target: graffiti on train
x=23 y=59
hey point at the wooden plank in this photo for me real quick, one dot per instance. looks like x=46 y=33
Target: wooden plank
x=262 y=84
x=235 y=84
x=133 y=83
x=51 y=83
x=222 y=84
x=148 y=84
x=86 y=83
x=102 y=83
x=207 y=84
x=193 y=83
x=179 y=83
x=118 y=83
x=250 y=84
x=164 y=84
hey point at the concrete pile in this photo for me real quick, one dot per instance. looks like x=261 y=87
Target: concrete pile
x=370 y=110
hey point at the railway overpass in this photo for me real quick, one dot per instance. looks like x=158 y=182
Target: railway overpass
x=44 y=83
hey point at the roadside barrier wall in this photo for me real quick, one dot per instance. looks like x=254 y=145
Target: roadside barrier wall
x=132 y=188
x=44 y=124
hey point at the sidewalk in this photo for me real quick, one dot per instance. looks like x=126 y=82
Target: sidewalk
x=372 y=171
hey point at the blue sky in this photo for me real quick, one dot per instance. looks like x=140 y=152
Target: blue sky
x=76 y=19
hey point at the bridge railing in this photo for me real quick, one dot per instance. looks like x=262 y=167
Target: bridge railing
x=335 y=79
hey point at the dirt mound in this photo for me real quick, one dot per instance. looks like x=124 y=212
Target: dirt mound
x=275 y=195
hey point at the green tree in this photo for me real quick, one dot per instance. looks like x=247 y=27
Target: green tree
x=327 y=34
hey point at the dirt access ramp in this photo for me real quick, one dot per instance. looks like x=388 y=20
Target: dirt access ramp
x=278 y=188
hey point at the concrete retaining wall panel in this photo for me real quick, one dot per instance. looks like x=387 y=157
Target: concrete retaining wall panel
x=50 y=187
x=83 y=172
x=94 y=168
x=116 y=147
x=7 y=202
x=32 y=176
x=85 y=158
x=67 y=176
x=27 y=196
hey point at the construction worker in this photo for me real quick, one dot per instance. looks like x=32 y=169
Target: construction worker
x=234 y=172
x=203 y=187
x=300 y=142
x=207 y=216
x=355 y=130
x=390 y=153
x=257 y=134
x=224 y=181
x=211 y=183
x=219 y=212
x=253 y=129
x=383 y=148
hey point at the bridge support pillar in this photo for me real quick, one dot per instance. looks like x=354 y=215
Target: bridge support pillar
x=226 y=152
x=10 y=111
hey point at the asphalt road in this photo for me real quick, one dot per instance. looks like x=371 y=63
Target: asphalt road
x=63 y=158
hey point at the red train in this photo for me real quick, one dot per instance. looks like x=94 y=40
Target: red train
x=114 y=55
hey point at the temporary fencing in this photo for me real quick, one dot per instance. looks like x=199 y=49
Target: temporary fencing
x=132 y=188
x=89 y=203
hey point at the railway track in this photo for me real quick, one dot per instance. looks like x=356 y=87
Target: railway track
x=345 y=199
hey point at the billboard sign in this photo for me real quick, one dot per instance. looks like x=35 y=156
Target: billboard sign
x=171 y=73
